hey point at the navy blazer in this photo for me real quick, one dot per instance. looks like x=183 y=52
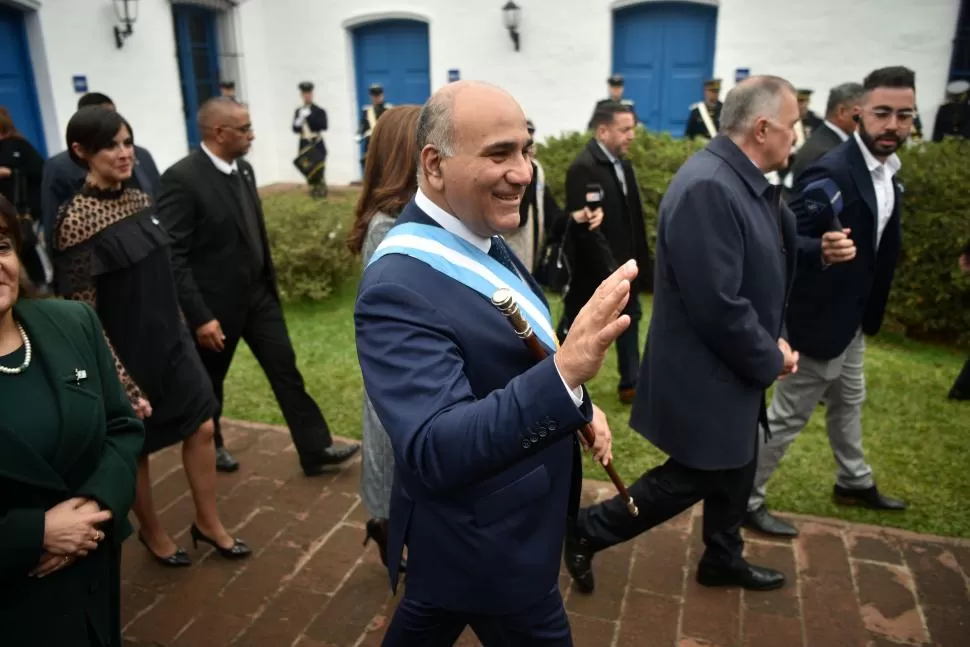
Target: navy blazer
x=726 y=255
x=487 y=464
x=829 y=305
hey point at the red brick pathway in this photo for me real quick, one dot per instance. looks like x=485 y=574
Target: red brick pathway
x=312 y=584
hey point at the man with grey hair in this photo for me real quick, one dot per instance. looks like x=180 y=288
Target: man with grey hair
x=726 y=252
x=838 y=126
x=487 y=465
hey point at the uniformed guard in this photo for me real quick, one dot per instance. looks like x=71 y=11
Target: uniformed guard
x=310 y=122
x=369 y=116
x=809 y=121
x=705 y=116
x=953 y=116
x=228 y=89
x=616 y=87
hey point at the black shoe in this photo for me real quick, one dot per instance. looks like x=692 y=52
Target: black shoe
x=238 y=550
x=330 y=457
x=752 y=578
x=763 y=521
x=867 y=498
x=578 y=557
x=176 y=560
x=377 y=530
x=224 y=461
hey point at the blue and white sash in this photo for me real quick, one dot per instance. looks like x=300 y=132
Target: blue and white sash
x=462 y=261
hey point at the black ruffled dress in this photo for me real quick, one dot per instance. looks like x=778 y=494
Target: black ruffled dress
x=111 y=251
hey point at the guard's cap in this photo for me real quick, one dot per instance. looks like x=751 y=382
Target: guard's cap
x=306 y=86
x=712 y=84
x=228 y=85
x=957 y=87
x=804 y=93
x=615 y=80
x=376 y=89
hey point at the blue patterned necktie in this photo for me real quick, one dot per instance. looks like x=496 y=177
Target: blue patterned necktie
x=500 y=252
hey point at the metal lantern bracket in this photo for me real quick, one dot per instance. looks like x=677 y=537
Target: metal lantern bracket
x=127 y=13
x=512 y=15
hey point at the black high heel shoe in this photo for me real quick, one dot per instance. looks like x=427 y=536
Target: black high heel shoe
x=238 y=550
x=377 y=530
x=178 y=559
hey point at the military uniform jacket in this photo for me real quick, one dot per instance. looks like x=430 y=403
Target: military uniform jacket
x=695 y=123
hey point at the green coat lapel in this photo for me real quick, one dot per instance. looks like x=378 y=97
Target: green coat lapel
x=81 y=412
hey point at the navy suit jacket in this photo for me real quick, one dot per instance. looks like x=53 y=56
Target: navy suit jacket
x=726 y=256
x=829 y=305
x=488 y=465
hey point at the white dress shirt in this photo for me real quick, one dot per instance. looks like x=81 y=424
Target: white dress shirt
x=838 y=131
x=617 y=166
x=220 y=163
x=882 y=182
x=455 y=226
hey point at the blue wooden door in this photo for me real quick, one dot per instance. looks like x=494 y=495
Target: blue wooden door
x=665 y=51
x=18 y=94
x=198 y=57
x=393 y=53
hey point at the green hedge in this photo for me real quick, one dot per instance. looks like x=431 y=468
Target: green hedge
x=930 y=298
x=309 y=242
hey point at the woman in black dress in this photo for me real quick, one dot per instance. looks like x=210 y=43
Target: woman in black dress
x=111 y=252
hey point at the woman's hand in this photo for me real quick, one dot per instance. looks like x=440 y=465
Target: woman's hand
x=143 y=409
x=70 y=528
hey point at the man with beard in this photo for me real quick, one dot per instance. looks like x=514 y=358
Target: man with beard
x=848 y=208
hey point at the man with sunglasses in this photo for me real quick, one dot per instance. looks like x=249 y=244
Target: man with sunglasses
x=226 y=281
x=848 y=207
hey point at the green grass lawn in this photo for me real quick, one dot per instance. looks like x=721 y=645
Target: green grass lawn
x=917 y=441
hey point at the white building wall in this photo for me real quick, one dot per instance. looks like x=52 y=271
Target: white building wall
x=558 y=74
x=141 y=78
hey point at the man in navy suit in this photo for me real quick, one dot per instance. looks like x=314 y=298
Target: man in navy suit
x=725 y=258
x=487 y=464
x=848 y=207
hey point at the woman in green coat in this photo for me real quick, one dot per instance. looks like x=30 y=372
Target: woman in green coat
x=69 y=445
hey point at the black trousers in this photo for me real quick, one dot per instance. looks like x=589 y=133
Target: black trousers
x=264 y=330
x=666 y=491
x=416 y=624
x=961 y=386
x=627 y=344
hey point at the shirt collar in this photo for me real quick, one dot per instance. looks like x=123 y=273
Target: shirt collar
x=449 y=222
x=838 y=131
x=220 y=163
x=608 y=154
x=892 y=163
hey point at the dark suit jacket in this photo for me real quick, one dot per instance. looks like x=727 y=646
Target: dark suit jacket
x=823 y=140
x=726 y=256
x=487 y=466
x=829 y=305
x=63 y=178
x=212 y=255
x=99 y=443
x=594 y=254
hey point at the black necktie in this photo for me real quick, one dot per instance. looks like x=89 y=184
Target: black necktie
x=499 y=252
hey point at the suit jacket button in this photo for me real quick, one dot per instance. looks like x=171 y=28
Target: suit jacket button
x=542 y=433
x=525 y=443
x=534 y=438
x=551 y=425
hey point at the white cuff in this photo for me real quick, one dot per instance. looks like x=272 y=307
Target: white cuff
x=576 y=394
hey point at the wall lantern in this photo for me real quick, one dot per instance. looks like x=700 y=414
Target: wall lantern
x=127 y=12
x=512 y=14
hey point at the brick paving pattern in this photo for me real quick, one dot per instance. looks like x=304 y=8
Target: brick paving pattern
x=311 y=583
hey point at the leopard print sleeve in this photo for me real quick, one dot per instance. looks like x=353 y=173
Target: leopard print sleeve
x=72 y=266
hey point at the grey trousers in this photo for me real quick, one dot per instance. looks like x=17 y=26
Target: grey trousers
x=841 y=383
x=377 y=464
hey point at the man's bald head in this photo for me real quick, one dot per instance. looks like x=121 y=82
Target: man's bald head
x=474 y=154
x=225 y=127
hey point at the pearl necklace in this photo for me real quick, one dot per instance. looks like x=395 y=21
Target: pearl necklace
x=5 y=370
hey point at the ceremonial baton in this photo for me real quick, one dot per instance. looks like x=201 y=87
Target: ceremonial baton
x=504 y=301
